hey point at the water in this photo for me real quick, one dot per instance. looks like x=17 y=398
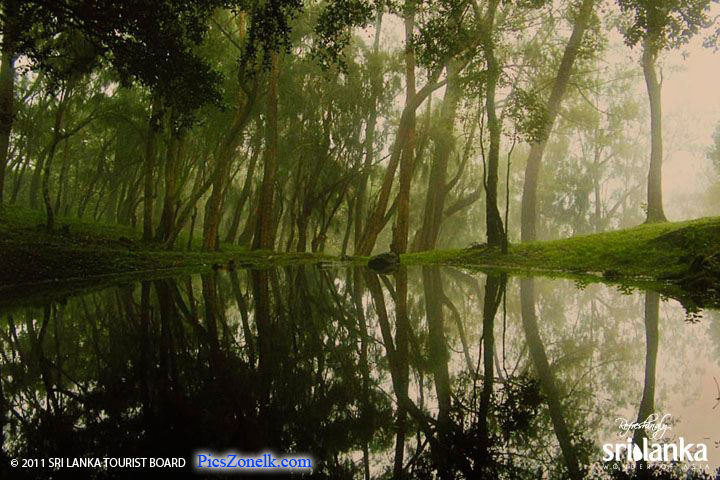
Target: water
x=469 y=375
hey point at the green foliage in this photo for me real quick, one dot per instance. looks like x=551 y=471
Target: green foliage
x=444 y=34
x=665 y=24
x=334 y=28
x=149 y=42
x=269 y=29
x=526 y=108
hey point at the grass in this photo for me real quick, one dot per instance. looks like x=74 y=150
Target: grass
x=81 y=250
x=684 y=256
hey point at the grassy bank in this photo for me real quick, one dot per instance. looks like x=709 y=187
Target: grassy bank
x=686 y=252
x=80 y=250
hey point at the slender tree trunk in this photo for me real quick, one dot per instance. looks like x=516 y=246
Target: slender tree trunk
x=655 y=212
x=348 y=225
x=59 y=195
x=376 y=220
x=191 y=231
x=85 y=200
x=19 y=178
x=494 y=223
x=190 y=208
x=56 y=139
x=407 y=161
x=264 y=231
x=246 y=236
x=7 y=92
x=36 y=181
x=170 y=198
x=302 y=225
x=444 y=141
x=376 y=86
x=244 y=195
x=149 y=169
x=221 y=174
x=537 y=149
x=596 y=172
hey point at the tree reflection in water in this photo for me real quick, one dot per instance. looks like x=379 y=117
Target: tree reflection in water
x=424 y=373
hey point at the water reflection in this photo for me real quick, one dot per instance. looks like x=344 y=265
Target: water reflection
x=423 y=373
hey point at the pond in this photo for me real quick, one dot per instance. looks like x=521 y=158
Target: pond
x=426 y=372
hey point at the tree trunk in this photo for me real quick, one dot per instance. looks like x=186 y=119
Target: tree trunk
x=7 y=109
x=655 y=211
x=149 y=169
x=376 y=86
x=85 y=200
x=59 y=195
x=170 y=198
x=562 y=79
x=56 y=139
x=376 y=220
x=244 y=195
x=407 y=161
x=221 y=173
x=444 y=141
x=264 y=231
x=494 y=223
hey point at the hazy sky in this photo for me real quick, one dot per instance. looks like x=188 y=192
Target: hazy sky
x=691 y=98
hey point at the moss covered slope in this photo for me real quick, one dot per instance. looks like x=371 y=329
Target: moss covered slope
x=659 y=251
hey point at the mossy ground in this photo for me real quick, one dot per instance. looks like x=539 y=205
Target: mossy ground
x=660 y=251
x=680 y=259
x=81 y=250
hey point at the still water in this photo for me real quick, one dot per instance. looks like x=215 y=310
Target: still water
x=425 y=373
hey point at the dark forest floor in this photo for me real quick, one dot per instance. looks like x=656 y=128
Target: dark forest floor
x=81 y=250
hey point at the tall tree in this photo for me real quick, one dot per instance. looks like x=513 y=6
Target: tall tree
x=407 y=161
x=658 y=26
x=7 y=84
x=496 y=234
x=265 y=229
x=537 y=149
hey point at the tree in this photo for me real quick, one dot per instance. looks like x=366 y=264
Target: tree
x=560 y=84
x=7 y=84
x=658 y=26
x=151 y=43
